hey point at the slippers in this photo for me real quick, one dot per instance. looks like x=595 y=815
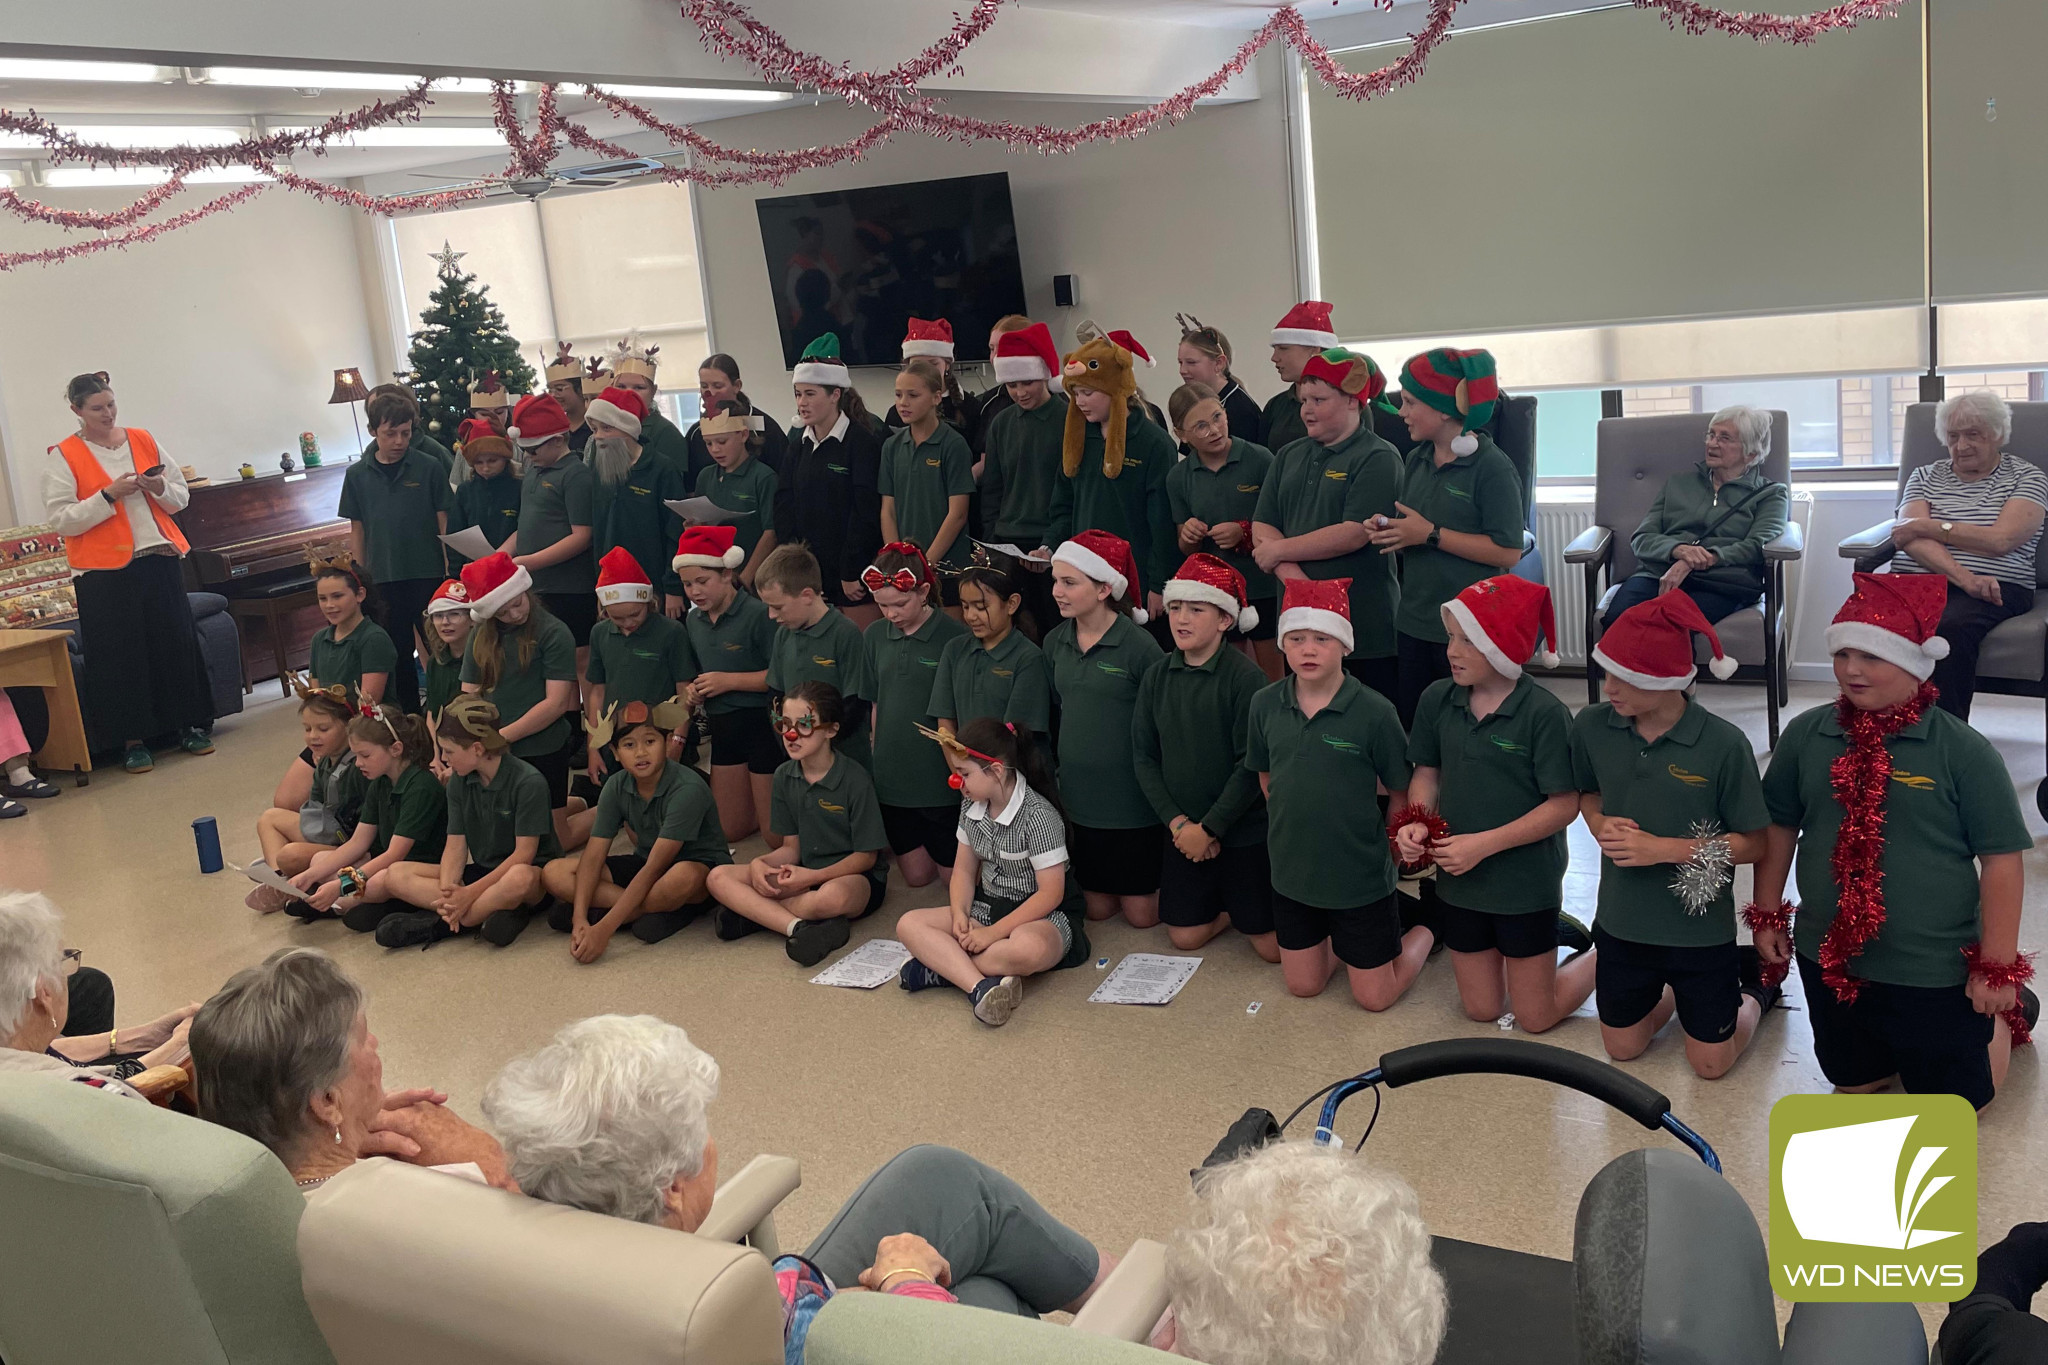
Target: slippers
x=35 y=788
x=11 y=809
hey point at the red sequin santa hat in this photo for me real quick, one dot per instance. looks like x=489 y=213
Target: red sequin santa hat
x=928 y=338
x=709 y=547
x=1205 y=578
x=493 y=582
x=621 y=579
x=449 y=598
x=1894 y=616
x=1131 y=344
x=1306 y=324
x=1319 y=605
x=1650 y=645
x=1503 y=618
x=1106 y=559
x=619 y=409
x=537 y=420
x=1028 y=354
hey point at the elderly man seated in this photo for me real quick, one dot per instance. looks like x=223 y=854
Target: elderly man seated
x=1705 y=534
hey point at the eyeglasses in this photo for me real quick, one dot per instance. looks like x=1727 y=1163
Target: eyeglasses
x=797 y=728
x=1722 y=438
x=903 y=580
x=73 y=959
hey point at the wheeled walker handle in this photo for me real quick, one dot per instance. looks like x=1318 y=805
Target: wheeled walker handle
x=1538 y=1061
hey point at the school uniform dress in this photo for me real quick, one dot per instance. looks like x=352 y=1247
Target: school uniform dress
x=649 y=665
x=829 y=650
x=552 y=503
x=1280 y=422
x=1228 y=493
x=774 y=451
x=521 y=687
x=492 y=816
x=1131 y=506
x=923 y=477
x=634 y=513
x=366 y=649
x=741 y=640
x=1189 y=736
x=1116 y=838
x=1950 y=802
x=1478 y=493
x=1491 y=772
x=412 y=807
x=399 y=506
x=491 y=505
x=1013 y=845
x=1701 y=771
x=1247 y=419
x=832 y=819
x=1333 y=878
x=680 y=809
x=1735 y=521
x=749 y=491
x=919 y=806
x=830 y=500
x=1009 y=683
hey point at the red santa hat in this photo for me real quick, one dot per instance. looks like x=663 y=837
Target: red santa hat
x=1503 y=617
x=492 y=583
x=1319 y=605
x=449 y=598
x=928 y=338
x=709 y=547
x=1894 y=616
x=1028 y=354
x=1650 y=645
x=1205 y=578
x=537 y=420
x=1106 y=559
x=620 y=409
x=621 y=579
x=1306 y=324
x=1130 y=343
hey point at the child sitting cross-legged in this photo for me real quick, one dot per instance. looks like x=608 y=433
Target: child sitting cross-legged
x=1015 y=908
x=320 y=796
x=405 y=819
x=828 y=871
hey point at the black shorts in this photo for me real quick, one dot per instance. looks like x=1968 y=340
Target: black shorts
x=1364 y=936
x=1532 y=933
x=1237 y=882
x=745 y=737
x=555 y=768
x=576 y=610
x=1116 y=862
x=878 y=888
x=1268 y=627
x=473 y=873
x=935 y=829
x=1631 y=977
x=1930 y=1037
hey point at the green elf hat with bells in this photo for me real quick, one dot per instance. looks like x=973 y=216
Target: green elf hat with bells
x=1457 y=384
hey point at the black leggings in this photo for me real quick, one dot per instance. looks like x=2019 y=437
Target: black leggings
x=1965 y=621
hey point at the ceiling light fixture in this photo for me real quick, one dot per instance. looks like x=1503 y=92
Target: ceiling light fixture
x=42 y=69
x=736 y=95
x=414 y=135
x=286 y=78
x=90 y=177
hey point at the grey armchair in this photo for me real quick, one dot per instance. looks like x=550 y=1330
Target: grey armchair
x=1635 y=457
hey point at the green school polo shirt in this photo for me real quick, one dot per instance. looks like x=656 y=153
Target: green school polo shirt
x=1022 y=463
x=1188 y=738
x=1229 y=492
x=634 y=513
x=1950 y=802
x=1283 y=419
x=522 y=687
x=750 y=490
x=490 y=505
x=665 y=439
x=1492 y=772
x=1310 y=486
x=680 y=809
x=1008 y=682
x=444 y=683
x=1132 y=505
x=1098 y=695
x=366 y=649
x=910 y=770
x=553 y=502
x=647 y=665
x=830 y=819
x=492 y=816
x=414 y=807
x=740 y=641
x=829 y=650
x=399 y=506
x=1701 y=771
x=922 y=477
x=1327 y=843
x=1479 y=493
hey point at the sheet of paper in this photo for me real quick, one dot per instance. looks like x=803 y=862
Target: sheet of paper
x=1004 y=547
x=874 y=963
x=1145 y=979
x=470 y=542
x=703 y=511
x=261 y=874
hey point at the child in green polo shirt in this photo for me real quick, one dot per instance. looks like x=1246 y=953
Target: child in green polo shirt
x=499 y=838
x=740 y=482
x=667 y=809
x=1670 y=791
x=636 y=653
x=927 y=473
x=1114 y=459
x=828 y=870
x=920 y=810
x=489 y=498
x=523 y=661
x=448 y=626
x=1492 y=754
x=1189 y=735
x=995 y=669
x=319 y=798
x=405 y=820
x=732 y=639
x=351 y=649
x=815 y=642
x=1213 y=497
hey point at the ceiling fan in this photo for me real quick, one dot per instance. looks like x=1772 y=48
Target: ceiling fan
x=598 y=176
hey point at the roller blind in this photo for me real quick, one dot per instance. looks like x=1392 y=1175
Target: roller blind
x=501 y=246
x=1990 y=174
x=623 y=258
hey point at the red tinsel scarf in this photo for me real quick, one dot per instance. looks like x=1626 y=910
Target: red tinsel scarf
x=1860 y=779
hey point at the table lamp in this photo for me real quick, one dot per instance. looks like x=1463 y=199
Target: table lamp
x=348 y=388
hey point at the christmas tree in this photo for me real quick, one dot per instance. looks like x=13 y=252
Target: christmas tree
x=462 y=339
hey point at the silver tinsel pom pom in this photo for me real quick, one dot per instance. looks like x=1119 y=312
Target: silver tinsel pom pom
x=1703 y=877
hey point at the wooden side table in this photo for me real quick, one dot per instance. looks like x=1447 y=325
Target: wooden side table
x=275 y=609
x=42 y=658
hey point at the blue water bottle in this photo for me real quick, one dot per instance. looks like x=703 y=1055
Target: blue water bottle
x=206 y=835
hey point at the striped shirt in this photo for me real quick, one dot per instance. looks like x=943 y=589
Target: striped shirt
x=1977 y=502
x=1014 y=844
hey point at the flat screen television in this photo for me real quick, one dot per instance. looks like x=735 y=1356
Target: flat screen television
x=862 y=262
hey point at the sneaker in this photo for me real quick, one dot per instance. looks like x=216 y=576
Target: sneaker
x=194 y=740
x=660 y=924
x=811 y=941
x=408 y=927
x=1750 y=974
x=138 y=759
x=504 y=926
x=995 y=1000
x=562 y=916
x=2030 y=1007
x=731 y=924
x=915 y=976
x=1572 y=933
x=267 y=900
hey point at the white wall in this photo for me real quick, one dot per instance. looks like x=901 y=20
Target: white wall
x=222 y=338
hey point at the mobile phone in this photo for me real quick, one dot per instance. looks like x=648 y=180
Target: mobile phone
x=152 y=471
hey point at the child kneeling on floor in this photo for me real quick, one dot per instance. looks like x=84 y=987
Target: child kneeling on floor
x=1016 y=908
x=828 y=871
x=666 y=807
x=319 y=798
x=500 y=834
x=405 y=820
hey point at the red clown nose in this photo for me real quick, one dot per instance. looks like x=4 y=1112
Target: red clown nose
x=955 y=781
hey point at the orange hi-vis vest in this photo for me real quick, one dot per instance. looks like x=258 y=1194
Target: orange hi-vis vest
x=111 y=544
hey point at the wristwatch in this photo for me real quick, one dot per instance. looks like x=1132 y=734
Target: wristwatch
x=1435 y=538
x=1946 y=528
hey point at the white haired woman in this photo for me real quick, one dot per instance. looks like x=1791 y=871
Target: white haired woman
x=611 y=1117
x=1976 y=518
x=285 y=1055
x=1705 y=534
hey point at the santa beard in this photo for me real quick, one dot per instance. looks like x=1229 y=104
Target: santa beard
x=613 y=458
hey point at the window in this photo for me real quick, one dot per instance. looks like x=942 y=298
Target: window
x=1567 y=432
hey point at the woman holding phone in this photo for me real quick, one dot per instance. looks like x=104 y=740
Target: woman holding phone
x=109 y=491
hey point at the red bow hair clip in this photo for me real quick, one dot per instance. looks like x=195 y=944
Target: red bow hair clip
x=904 y=579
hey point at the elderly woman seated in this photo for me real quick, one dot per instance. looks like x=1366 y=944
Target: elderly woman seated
x=285 y=1055
x=1705 y=534
x=38 y=976
x=1975 y=517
